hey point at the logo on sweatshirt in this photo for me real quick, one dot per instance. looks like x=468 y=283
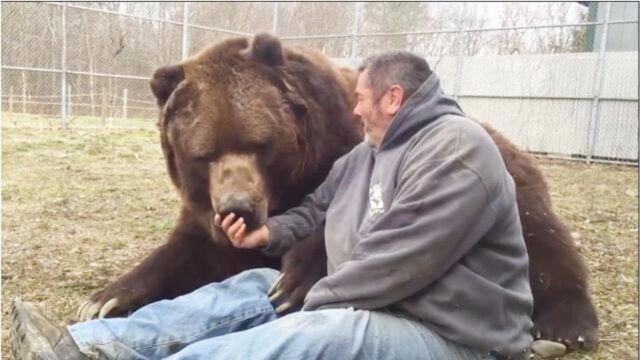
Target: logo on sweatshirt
x=376 y=205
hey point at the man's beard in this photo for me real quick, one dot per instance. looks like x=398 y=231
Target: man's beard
x=374 y=119
x=370 y=141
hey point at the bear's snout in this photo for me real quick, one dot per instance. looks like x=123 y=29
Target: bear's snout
x=240 y=206
x=236 y=186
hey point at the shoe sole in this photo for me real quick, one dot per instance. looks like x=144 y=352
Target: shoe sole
x=26 y=341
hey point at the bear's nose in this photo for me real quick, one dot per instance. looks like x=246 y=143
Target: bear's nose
x=241 y=207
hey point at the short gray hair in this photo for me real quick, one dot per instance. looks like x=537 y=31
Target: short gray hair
x=396 y=67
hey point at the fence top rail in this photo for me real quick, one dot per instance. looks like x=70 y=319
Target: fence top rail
x=29 y=98
x=451 y=31
x=141 y=17
x=75 y=72
x=351 y=35
x=114 y=106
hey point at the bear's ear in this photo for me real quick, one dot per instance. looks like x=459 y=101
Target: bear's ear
x=267 y=50
x=164 y=81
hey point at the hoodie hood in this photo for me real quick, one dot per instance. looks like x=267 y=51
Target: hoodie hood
x=427 y=104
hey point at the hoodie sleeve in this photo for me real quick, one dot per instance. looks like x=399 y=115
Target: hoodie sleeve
x=304 y=220
x=440 y=210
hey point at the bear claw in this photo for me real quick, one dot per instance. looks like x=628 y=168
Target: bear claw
x=107 y=307
x=80 y=312
x=276 y=296
x=90 y=310
x=283 y=308
x=275 y=285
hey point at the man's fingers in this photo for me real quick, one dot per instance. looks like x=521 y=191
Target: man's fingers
x=239 y=235
x=233 y=229
x=227 y=221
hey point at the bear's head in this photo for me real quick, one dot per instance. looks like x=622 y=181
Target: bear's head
x=249 y=127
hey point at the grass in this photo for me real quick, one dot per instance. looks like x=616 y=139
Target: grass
x=81 y=207
x=42 y=122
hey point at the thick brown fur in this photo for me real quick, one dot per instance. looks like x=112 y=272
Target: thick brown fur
x=291 y=110
x=563 y=310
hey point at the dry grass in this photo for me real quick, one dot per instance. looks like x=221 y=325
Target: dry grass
x=81 y=207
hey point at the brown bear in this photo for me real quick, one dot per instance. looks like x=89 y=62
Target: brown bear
x=563 y=310
x=250 y=127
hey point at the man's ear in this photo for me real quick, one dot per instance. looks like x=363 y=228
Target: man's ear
x=394 y=99
x=165 y=79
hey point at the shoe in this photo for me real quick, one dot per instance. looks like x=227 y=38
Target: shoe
x=34 y=337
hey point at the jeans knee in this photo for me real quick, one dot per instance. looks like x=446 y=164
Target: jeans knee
x=326 y=325
x=261 y=277
x=264 y=273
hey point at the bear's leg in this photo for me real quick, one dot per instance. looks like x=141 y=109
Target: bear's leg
x=186 y=262
x=562 y=308
x=563 y=311
x=302 y=267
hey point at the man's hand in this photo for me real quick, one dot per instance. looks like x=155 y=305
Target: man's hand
x=236 y=232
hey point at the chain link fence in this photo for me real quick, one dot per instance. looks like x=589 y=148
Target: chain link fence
x=559 y=79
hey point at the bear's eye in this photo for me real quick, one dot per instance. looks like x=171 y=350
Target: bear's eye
x=206 y=157
x=202 y=158
x=183 y=115
x=299 y=110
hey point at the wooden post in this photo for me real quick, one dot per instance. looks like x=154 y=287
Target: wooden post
x=124 y=103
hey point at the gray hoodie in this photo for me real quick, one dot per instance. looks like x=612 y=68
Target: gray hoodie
x=426 y=225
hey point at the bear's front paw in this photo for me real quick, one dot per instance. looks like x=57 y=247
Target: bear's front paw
x=289 y=291
x=573 y=323
x=107 y=303
x=302 y=267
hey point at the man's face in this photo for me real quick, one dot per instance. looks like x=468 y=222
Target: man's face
x=369 y=110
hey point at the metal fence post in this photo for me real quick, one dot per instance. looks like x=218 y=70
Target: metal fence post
x=93 y=101
x=63 y=104
x=103 y=110
x=458 y=77
x=185 y=30
x=24 y=92
x=274 y=23
x=10 y=102
x=125 y=92
x=69 y=101
x=354 y=36
x=597 y=86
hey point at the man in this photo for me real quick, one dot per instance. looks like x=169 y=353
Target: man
x=425 y=253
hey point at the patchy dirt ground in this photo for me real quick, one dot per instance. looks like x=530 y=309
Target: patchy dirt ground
x=81 y=207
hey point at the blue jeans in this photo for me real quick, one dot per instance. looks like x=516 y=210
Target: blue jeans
x=235 y=320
